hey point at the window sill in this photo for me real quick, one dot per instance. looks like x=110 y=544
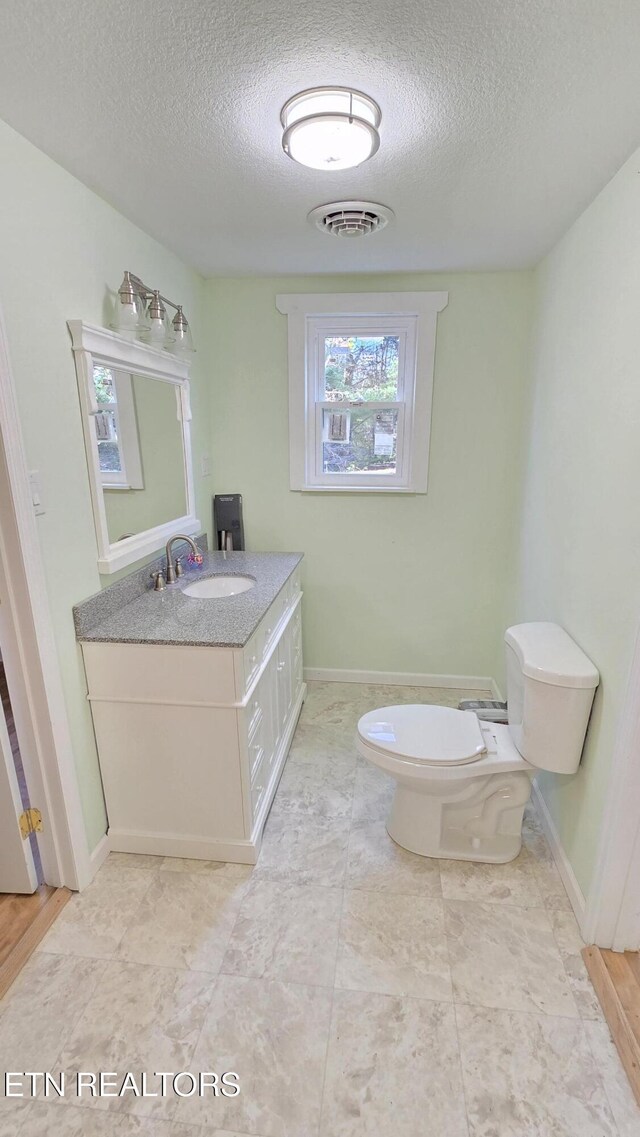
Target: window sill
x=359 y=489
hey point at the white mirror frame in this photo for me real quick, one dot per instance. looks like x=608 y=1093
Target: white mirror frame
x=99 y=345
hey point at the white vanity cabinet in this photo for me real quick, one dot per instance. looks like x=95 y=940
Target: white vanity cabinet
x=192 y=740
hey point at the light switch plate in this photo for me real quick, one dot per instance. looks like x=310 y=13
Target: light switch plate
x=36 y=494
x=205 y=465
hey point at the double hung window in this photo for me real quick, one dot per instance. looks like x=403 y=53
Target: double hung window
x=360 y=382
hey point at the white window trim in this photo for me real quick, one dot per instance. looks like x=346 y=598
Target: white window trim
x=301 y=309
x=130 y=477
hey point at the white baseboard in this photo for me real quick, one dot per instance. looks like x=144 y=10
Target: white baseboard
x=97 y=858
x=496 y=693
x=574 y=892
x=399 y=678
x=182 y=845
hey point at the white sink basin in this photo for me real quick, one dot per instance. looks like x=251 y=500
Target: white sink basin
x=217 y=587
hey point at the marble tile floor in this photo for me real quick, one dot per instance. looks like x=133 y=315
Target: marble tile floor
x=356 y=989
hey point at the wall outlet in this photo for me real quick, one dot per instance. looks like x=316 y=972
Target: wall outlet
x=205 y=465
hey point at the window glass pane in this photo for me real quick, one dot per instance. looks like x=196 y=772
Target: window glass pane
x=108 y=446
x=106 y=422
x=361 y=367
x=104 y=383
x=359 y=441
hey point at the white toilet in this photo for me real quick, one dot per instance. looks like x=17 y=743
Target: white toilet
x=462 y=784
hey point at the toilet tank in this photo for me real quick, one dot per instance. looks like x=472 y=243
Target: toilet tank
x=550 y=688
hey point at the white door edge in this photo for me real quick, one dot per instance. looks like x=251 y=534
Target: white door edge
x=49 y=766
x=612 y=913
x=17 y=870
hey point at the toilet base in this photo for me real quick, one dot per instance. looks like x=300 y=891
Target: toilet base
x=481 y=822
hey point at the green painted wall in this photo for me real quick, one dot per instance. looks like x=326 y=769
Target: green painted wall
x=536 y=437
x=62 y=249
x=392 y=583
x=580 y=521
x=164 y=495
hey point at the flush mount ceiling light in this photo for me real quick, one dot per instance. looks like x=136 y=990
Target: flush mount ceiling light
x=330 y=128
x=351 y=218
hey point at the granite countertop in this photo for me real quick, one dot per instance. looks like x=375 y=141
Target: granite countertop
x=131 y=612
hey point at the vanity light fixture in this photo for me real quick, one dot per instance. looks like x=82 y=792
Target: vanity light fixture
x=158 y=333
x=141 y=313
x=181 y=332
x=330 y=128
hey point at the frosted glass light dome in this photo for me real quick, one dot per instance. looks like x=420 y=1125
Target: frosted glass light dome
x=330 y=128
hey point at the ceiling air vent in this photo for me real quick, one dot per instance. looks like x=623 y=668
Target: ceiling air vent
x=350 y=218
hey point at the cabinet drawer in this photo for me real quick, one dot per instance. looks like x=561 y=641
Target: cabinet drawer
x=256 y=752
x=295 y=586
x=270 y=628
x=254 y=711
x=282 y=603
x=296 y=627
x=252 y=656
x=259 y=786
x=266 y=634
x=256 y=720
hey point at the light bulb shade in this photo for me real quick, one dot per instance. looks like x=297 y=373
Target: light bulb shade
x=330 y=128
x=158 y=331
x=183 y=342
x=129 y=315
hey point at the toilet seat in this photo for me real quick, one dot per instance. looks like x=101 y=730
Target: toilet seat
x=461 y=785
x=432 y=735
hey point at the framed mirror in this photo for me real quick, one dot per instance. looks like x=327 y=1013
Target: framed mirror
x=136 y=420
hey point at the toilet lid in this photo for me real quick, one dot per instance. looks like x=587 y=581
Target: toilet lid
x=438 y=736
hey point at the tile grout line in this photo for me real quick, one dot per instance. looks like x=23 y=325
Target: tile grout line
x=583 y=1017
x=595 y=1062
x=453 y=1004
x=69 y=1033
x=116 y=1114
x=25 y=1116
x=333 y=993
x=460 y=1064
x=333 y=986
x=215 y=977
x=154 y=874
x=518 y=1011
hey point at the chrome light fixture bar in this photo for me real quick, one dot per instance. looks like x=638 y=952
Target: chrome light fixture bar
x=141 y=313
x=330 y=128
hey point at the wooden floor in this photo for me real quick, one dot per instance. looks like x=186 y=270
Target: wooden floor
x=23 y=922
x=616 y=978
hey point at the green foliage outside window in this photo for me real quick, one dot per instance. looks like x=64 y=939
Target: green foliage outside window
x=361 y=368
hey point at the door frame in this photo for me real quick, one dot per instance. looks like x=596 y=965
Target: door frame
x=33 y=660
x=612 y=912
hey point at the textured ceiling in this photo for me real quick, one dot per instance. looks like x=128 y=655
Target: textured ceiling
x=501 y=120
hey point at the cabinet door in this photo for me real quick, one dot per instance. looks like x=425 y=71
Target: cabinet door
x=284 y=679
x=296 y=655
x=269 y=728
x=275 y=726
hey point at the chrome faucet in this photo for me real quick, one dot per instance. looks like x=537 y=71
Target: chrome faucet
x=174 y=571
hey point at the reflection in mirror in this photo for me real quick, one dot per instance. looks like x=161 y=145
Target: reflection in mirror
x=140 y=448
